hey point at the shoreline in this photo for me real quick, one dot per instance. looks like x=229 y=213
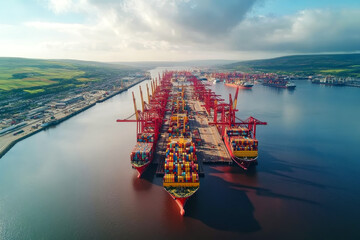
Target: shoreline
x=58 y=121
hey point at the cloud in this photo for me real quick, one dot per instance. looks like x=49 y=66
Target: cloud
x=306 y=31
x=224 y=25
x=210 y=17
x=60 y=6
x=170 y=20
x=187 y=29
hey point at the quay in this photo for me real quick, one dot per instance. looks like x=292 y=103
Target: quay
x=211 y=150
x=7 y=141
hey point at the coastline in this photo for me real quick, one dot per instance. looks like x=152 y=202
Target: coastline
x=58 y=121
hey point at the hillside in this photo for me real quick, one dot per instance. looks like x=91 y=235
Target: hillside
x=28 y=83
x=333 y=64
x=33 y=74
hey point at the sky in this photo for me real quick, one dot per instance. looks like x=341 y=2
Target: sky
x=177 y=30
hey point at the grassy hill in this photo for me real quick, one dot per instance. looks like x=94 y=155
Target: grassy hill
x=37 y=75
x=332 y=64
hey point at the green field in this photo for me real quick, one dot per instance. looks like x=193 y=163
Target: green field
x=345 y=65
x=32 y=76
x=40 y=90
x=334 y=71
x=26 y=77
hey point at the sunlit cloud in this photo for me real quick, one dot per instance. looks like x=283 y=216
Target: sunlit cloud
x=113 y=30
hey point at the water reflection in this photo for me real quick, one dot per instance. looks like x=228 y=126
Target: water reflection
x=279 y=90
x=146 y=181
x=76 y=180
x=220 y=198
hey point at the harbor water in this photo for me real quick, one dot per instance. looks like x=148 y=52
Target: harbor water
x=75 y=181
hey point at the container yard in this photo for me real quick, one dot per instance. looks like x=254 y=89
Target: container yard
x=183 y=125
x=54 y=115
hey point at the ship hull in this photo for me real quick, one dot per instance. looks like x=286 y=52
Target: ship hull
x=244 y=163
x=237 y=86
x=141 y=169
x=279 y=86
x=181 y=204
x=181 y=201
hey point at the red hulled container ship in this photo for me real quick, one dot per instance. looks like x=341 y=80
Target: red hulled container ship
x=241 y=146
x=181 y=178
x=239 y=136
x=236 y=79
x=149 y=121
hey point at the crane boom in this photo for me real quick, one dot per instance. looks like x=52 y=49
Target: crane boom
x=236 y=97
x=148 y=93
x=142 y=100
x=136 y=112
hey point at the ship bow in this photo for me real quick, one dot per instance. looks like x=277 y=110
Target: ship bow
x=181 y=203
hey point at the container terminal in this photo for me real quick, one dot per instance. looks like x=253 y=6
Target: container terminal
x=181 y=125
x=51 y=114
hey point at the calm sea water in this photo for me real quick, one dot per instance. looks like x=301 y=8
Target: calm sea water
x=74 y=181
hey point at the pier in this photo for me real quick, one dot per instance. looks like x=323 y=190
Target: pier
x=211 y=150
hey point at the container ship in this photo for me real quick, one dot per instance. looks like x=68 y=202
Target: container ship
x=279 y=83
x=149 y=121
x=181 y=178
x=239 y=84
x=239 y=136
x=143 y=153
x=242 y=146
x=237 y=79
